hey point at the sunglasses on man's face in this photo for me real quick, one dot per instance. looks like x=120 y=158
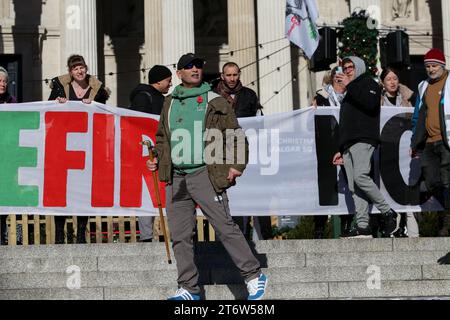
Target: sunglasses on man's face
x=197 y=64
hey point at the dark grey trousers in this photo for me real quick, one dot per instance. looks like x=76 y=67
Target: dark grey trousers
x=182 y=197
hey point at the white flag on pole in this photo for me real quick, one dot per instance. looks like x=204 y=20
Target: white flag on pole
x=301 y=28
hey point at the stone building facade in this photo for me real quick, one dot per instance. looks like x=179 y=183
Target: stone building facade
x=121 y=38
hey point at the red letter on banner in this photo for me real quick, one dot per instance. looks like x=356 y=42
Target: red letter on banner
x=103 y=161
x=133 y=163
x=57 y=159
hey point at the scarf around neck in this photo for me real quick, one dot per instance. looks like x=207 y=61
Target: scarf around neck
x=334 y=98
x=182 y=93
x=227 y=92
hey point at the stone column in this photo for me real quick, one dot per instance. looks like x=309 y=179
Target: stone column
x=242 y=35
x=153 y=33
x=271 y=25
x=446 y=27
x=178 y=27
x=80 y=32
x=169 y=32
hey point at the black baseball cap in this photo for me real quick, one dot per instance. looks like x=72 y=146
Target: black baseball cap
x=187 y=59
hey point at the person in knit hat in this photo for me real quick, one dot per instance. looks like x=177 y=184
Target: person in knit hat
x=430 y=131
x=193 y=114
x=149 y=98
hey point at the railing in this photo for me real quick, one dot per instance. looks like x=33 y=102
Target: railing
x=34 y=230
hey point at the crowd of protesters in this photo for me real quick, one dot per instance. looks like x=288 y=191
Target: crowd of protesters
x=348 y=86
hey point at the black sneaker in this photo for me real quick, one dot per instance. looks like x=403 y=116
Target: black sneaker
x=391 y=223
x=445 y=259
x=358 y=233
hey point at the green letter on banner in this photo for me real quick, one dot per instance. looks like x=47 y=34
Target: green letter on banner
x=13 y=157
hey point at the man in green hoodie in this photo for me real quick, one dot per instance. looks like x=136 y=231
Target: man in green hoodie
x=201 y=150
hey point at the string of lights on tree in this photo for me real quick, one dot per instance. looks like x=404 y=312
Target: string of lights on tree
x=357 y=39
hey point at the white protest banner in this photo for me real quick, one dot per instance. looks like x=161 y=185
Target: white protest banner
x=76 y=159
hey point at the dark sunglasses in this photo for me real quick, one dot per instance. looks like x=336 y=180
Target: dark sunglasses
x=197 y=64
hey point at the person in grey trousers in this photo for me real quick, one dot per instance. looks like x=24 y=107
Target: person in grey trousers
x=149 y=98
x=193 y=120
x=359 y=134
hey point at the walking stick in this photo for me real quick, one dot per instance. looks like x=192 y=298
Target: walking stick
x=158 y=199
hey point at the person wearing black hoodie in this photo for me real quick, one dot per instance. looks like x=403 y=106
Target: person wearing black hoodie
x=359 y=136
x=149 y=98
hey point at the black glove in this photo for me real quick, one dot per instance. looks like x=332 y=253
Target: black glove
x=445 y=259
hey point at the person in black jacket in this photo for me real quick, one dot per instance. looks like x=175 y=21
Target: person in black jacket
x=77 y=85
x=359 y=136
x=149 y=98
x=245 y=104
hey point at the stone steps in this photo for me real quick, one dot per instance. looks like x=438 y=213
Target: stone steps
x=303 y=269
x=296 y=291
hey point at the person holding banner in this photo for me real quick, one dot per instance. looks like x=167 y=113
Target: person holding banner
x=195 y=177
x=5 y=97
x=359 y=135
x=331 y=95
x=430 y=132
x=245 y=104
x=149 y=98
x=396 y=94
x=77 y=85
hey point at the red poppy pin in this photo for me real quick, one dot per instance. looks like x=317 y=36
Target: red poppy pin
x=200 y=100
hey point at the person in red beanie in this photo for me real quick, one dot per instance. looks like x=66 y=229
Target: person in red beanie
x=430 y=132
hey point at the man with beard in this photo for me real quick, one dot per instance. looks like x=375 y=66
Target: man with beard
x=430 y=132
x=245 y=104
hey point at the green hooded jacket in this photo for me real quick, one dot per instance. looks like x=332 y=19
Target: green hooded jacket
x=220 y=116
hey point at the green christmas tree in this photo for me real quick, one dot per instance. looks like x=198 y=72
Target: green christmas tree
x=359 y=37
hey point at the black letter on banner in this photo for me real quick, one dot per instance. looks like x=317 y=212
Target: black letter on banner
x=399 y=191
x=327 y=145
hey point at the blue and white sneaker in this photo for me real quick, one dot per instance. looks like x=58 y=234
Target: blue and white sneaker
x=183 y=294
x=257 y=288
